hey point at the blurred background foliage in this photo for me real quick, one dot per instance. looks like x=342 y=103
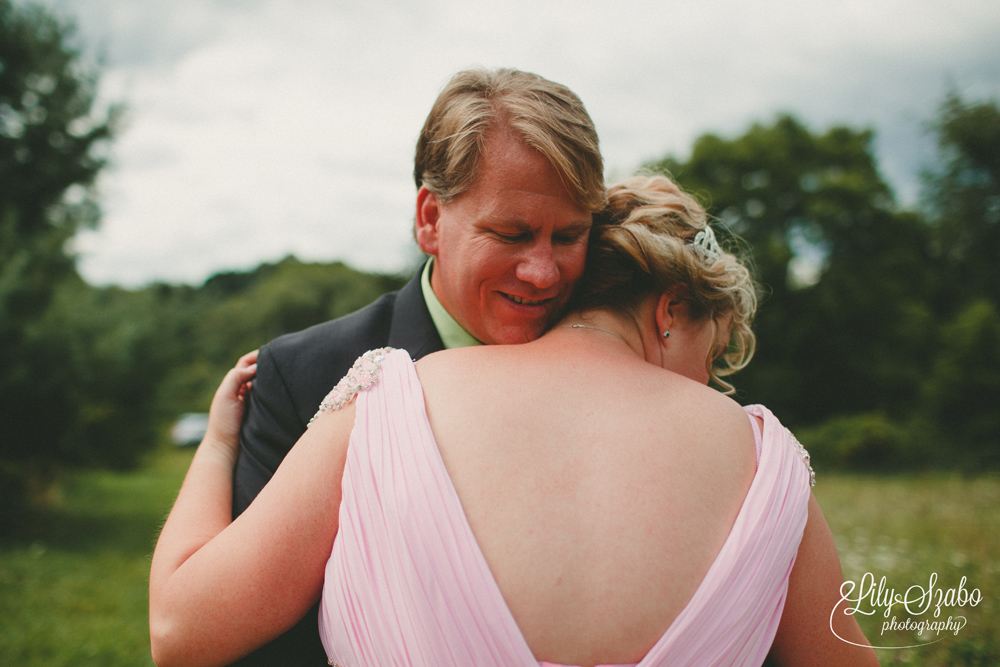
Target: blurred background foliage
x=879 y=326
x=878 y=330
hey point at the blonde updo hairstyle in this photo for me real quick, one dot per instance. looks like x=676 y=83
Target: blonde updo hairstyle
x=641 y=246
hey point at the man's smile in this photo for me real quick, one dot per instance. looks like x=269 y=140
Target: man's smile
x=524 y=301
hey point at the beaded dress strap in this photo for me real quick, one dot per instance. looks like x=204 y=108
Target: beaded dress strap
x=763 y=413
x=805 y=457
x=363 y=375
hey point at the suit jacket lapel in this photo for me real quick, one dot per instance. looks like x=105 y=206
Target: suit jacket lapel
x=412 y=328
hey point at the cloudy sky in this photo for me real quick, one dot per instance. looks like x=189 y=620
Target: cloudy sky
x=259 y=128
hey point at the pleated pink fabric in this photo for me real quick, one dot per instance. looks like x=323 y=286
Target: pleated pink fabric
x=407 y=584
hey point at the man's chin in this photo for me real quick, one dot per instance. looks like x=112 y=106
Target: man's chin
x=517 y=335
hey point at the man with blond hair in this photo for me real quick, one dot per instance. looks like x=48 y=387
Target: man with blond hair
x=508 y=175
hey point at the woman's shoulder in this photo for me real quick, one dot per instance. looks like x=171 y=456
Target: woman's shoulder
x=460 y=361
x=442 y=358
x=704 y=398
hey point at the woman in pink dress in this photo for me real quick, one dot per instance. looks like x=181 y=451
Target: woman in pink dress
x=582 y=499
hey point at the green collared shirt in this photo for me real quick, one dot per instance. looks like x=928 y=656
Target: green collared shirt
x=451 y=332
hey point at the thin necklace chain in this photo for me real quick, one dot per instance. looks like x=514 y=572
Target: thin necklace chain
x=584 y=326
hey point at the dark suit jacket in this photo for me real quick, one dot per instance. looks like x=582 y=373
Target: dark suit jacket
x=294 y=373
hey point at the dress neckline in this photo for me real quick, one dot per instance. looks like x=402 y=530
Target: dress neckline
x=508 y=617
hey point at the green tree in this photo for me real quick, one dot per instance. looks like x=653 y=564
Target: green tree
x=842 y=324
x=963 y=389
x=234 y=313
x=117 y=344
x=49 y=140
x=962 y=197
x=285 y=297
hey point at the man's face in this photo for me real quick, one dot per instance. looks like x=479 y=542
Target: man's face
x=508 y=250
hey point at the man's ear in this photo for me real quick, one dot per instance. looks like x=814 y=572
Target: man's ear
x=428 y=216
x=666 y=311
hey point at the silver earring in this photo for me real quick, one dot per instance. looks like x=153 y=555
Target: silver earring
x=666 y=334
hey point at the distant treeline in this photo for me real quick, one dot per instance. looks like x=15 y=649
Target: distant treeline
x=142 y=357
x=105 y=372
x=878 y=330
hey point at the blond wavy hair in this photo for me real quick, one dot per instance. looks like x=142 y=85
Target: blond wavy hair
x=546 y=116
x=640 y=246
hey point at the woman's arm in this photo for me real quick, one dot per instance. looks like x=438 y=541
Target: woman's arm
x=804 y=634
x=219 y=589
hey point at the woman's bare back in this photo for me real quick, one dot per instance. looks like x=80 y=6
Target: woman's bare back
x=599 y=487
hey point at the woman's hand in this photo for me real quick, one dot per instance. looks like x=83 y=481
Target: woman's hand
x=220 y=588
x=228 y=406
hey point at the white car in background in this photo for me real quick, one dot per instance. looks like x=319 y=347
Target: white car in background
x=189 y=429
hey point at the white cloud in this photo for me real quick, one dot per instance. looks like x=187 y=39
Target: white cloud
x=262 y=128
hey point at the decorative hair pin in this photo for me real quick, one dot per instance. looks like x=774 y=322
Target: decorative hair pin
x=705 y=245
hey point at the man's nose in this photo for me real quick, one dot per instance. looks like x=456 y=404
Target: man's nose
x=538 y=266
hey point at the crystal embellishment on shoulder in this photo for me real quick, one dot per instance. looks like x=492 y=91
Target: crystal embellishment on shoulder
x=805 y=457
x=363 y=374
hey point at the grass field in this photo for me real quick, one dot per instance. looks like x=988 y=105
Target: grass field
x=75 y=592
x=908 y=528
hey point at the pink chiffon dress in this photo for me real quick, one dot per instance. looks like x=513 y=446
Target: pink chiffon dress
x=406 y=583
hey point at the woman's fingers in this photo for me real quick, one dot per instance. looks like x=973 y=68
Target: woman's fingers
x=237 y=380
x=245 y=374
x=247 y=359
x=226 y=412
